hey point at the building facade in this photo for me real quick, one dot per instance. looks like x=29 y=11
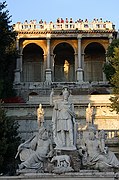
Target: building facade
x=60 y=53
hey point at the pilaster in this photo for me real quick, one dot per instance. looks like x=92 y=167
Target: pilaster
x=48 y=68
x=79 y=72
x=18 y=70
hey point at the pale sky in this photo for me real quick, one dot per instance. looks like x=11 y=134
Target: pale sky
x=50 y=10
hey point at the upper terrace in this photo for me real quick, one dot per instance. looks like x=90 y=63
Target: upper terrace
x=60 y=24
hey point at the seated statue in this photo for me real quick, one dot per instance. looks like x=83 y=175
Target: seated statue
x=35 y=151
x=95 y=154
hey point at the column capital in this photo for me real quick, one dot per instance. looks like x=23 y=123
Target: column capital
x=48 y=36
x=79 y=36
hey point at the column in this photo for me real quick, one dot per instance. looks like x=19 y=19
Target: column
x=82 y=55
x=44 y=66
x=79 y=69
x=17 y=72
x=76 y=64
x=48 y=69
x=52 y=65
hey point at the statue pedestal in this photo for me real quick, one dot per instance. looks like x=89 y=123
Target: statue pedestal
x=74 y=156
x=48 y=75
x=83 y=175
x=79 y=74
x=17 y=76
x=70 y=148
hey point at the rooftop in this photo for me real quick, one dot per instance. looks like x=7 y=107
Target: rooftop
x=66 y=24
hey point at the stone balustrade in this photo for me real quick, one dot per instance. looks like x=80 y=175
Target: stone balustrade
x=112 y=134
x=63 y=26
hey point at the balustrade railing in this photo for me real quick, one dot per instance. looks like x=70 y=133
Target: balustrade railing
x=63 y=26
x=111 y=134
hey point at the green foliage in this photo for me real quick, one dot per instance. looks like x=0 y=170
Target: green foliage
x=111 y=70
x=108 y=68
x=115 y=103
x=115 y=80
x=9 y=141
x=115 y=43
x=8 y=53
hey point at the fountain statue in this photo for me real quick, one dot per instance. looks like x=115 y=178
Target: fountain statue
x=67 y=150
x=63 y=120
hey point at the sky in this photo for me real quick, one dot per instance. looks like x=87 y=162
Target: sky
x=50 y=10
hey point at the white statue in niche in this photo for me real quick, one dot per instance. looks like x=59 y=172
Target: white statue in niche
x=63 y=120
x=40 y=115
x=89 y=115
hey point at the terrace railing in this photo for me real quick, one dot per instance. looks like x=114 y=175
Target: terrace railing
x=63 y=26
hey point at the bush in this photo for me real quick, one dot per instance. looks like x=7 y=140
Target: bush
x=9 y=141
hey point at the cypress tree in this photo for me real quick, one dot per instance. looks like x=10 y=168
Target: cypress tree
x=8 y=53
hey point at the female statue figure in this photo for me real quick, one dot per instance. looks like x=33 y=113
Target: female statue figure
x=89 y=115
x=40 y=115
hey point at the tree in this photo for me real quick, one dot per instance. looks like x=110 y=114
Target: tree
x=8 y=53
x=111 y=69
x=9 y=141
x=115 y=80
x=108 y=68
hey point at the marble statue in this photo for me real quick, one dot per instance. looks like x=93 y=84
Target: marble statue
x=89 y=114
x=63 y=164
x=62 y=160
x=95 y=154
x=34 y=152
x=63 y=151
x=63 y=120
x=40 y=115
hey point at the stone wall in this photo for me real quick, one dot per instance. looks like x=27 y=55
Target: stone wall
x=68 y=176
x=26 y=115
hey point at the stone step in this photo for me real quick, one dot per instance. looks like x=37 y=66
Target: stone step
x=83 y=175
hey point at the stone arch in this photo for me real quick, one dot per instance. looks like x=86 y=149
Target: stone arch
x=88 y=42
x=64 y=63
x=40 y=43
x=94 y=58
x=72 y=43
x=99 y=91
x=33 y=63
x=33 y=93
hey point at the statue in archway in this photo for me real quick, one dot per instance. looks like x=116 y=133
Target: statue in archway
x=89 y=115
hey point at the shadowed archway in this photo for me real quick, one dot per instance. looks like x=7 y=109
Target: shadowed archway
x=64 y=63
x=93 y=62
x=33 y=63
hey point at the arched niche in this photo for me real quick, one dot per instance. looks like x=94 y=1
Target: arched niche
x=94 y=59
x=64 y=63
x=33 y=63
